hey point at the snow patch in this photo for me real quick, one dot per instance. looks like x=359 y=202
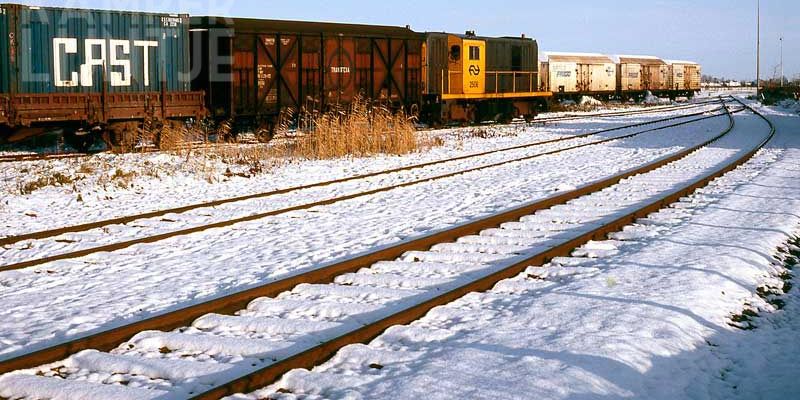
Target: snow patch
x=649 y=98
x=589 y=101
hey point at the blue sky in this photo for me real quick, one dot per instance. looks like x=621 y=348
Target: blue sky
x=720 y=34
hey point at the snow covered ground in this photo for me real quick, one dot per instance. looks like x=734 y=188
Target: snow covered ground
x=108 y=185
x=69 y=298
x=647 y=314
x=29 y=249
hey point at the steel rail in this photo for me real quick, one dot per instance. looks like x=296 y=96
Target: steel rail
x=199 y=228
x=227 y=304
x=569 y=117
x=324 y=351
x=45 y=156
x=177 y=210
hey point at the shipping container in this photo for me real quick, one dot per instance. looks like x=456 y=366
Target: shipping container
x=581 y=73
x=276 y=65
x=62 y=50
x=5 y=56
x=93 y=73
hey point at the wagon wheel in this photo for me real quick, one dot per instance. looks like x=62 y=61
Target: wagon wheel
x=265 y=131
x=121 y=137
x=413 y=111
x=170 y=135
x=225 y=130
x=82 y=143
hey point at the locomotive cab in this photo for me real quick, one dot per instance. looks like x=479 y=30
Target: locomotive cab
x=466 y=72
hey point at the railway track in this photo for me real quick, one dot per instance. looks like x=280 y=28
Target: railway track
x=71 y=155
x=651 y=110
x=19 y=262
x=126 y=219
x=44 y=156
x=301 y=321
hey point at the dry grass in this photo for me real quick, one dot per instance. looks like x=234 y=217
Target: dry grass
x=45 y=180
x=358 y=130
x=361 y=130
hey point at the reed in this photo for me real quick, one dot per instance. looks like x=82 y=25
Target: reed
x=358 y=130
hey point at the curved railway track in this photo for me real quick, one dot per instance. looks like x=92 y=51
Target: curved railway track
x=69 y=155
x=348 y=302
x=198 y=228
x=651 y=110
x=485 y=252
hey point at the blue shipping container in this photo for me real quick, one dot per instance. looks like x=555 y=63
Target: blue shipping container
x=4 y=56
x=59 y=50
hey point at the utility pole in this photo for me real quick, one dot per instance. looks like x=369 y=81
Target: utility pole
x=781 y=61
x=758 y=48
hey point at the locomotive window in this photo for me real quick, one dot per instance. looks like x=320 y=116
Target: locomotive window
x=455 y=52
x=474 y=53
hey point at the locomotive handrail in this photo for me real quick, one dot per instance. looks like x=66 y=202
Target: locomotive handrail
x=532 y=77
x=530 y=74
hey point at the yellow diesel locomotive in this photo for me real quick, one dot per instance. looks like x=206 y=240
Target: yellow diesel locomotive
x=469 y=78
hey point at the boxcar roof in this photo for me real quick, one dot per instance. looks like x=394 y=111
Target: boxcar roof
x=252 y=25
x=680 y=62
x=645 y=60
x=584 y=58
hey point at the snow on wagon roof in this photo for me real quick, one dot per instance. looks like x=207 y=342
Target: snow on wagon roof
x=637 y=59
x=670 y=62
x=589 y=58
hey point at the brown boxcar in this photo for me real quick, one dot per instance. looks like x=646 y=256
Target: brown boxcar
x=253 y=69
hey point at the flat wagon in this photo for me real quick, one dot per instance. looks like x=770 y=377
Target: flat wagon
x=254 y=70
x=89 y=72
